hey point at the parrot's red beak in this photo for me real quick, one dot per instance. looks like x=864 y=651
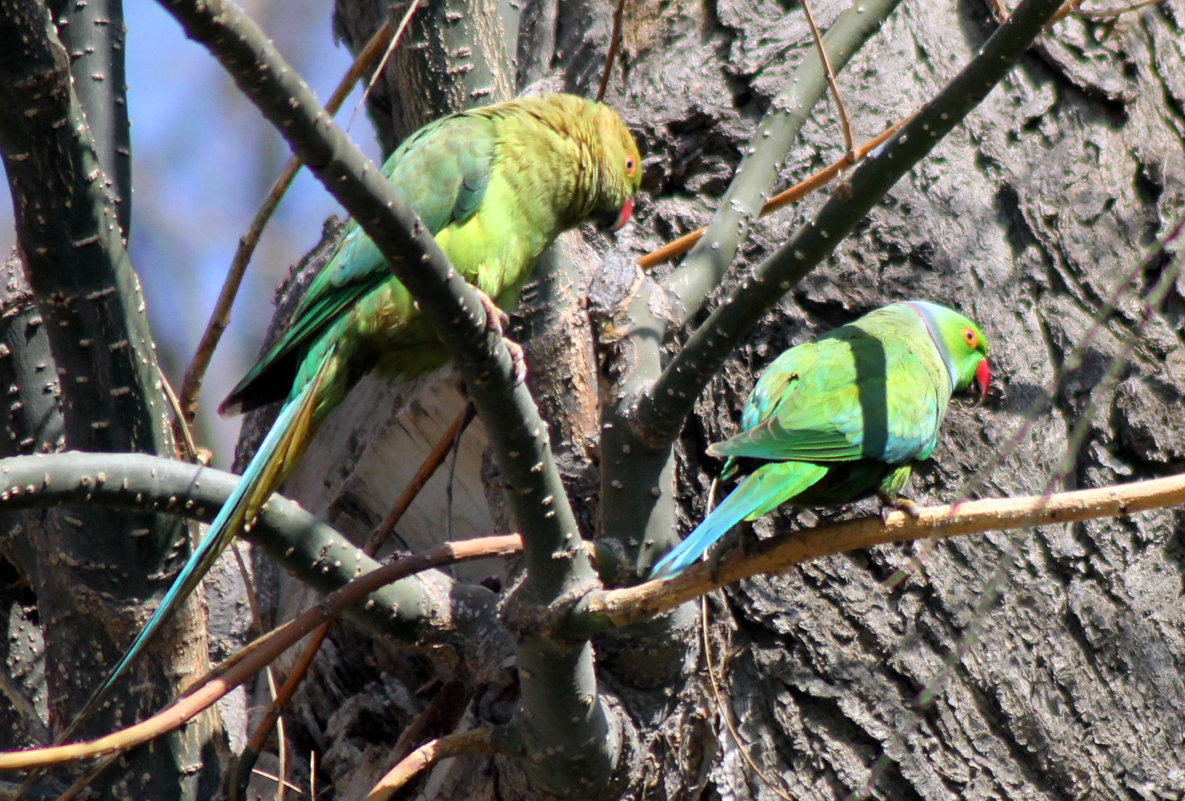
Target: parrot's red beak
x=982 y=376
x=623 y=215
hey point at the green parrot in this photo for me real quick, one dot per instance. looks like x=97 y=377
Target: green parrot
x=843 y=417
x=496 y=185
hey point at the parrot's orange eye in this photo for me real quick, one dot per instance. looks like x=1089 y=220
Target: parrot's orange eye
x=631 y=166
x=970 y=337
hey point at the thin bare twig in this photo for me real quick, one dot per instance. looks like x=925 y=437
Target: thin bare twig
x=429 y=467
x=725 y=710
x=1112 y=13
x=844 y=123
x=614 y=46
x=621 y=607
x=431 y=464
x=191 y=385
x=382 y=65
x=474 y=741
x=678 y=247
x=260 y=653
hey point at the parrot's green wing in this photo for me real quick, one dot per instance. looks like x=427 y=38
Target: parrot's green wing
x=442 y=171
x=841 y=398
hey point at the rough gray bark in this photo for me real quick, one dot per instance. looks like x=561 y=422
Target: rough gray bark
x=1028 y=217
x=1043 y=665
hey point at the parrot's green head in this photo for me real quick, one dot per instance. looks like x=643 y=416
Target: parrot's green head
x=959 y=341
x=619 y=170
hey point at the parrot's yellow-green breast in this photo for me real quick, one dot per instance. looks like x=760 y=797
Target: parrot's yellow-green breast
x=496 y=185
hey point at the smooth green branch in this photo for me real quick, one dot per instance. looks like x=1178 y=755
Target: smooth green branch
x=94 y=35
x=312 y=550
x=703 y=268
x=670 y=399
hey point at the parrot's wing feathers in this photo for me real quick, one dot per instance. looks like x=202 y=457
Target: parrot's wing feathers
x=472 y=190
x=770 y=441
x=460 y=151
x=271 y=378
x=838 y=399
x=442 y=171
x=767 y=488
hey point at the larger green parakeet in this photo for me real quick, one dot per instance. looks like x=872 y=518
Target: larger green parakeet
x=843 y=417
x=495 y=185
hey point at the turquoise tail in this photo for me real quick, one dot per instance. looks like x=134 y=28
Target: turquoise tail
x=759 y=492
x=279 y=450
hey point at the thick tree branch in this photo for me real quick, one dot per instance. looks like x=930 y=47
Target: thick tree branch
x=450 y=304
x=557 y=679
x=638 y=472
x=410 y=610
x=94 y=35
x=70 y=228
x=71 y=244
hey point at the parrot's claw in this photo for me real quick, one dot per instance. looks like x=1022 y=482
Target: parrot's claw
x=891 y=502
x=498 y=321
x=518 y=361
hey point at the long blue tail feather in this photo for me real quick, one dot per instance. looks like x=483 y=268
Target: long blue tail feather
x=243 y=504
x=767 y=488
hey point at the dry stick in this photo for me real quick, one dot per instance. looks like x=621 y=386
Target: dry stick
x=260 y=653
x=432 y=463
x=614 y=44
x=429 y=467
x=684 y=243
x=280 y=698
x=726 y=712
x=382 y=65
x=312 y=774
x=220 y=318
x=1095 y=16
x=631 y=604
x=723 y=708
x=844 y=124
x=474 y=741
x=1001 y=14
x=257 y=622
x=181 y=427
x=83 y=781
x=1068 y=8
